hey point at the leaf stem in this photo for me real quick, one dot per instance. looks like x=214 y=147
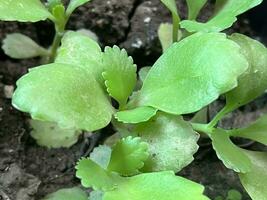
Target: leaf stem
x=175 y=27
x=202 y=128
x=55 y=45
x=226 y=109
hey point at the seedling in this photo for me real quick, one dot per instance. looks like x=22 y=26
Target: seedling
x=154 y=141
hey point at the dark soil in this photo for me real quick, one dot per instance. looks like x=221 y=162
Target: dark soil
x=29 y=172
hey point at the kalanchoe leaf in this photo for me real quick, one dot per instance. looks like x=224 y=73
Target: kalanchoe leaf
x=156 y=186
x=96 y=195
x=255 y=181
x=183 y=80
x=165 y=32
x=128 y=156
x=92 y=175
x=101 y=156
x=50 y=135
x=82 y=51
x=52 y=93
x=143 y=73
x=171 y=5
x=194 y=8
x=253 y=82
x=74 y=193
x=12 y=47
x=256 y=131
x=225 y=17
x=89 y=34
x=23 y=11
x=172 y=142
x=58 y=12
x=232 y=156
x=52 y=3
x=136 y=115
x=119 y=74
x=75 y=4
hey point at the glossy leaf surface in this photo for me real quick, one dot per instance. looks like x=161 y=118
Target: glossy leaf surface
x=253 y=82
x=255 y=181
x=172 y=142
x=224 y=18
x=120 y=74
x=194 y=6
x=231 y=155
x=52 y=93
x=128 y=156
x=70 y=194
x=195 y=73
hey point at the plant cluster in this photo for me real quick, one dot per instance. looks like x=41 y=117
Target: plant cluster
x=74 y=93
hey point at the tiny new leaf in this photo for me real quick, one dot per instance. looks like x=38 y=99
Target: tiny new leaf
x=128 y=156
x=23 y=11
x=172 y=142
x=194 y=8
x=50 y=135
x=256 y=131
x=52 y=93
x=75 y=4
x=253 y=82
x=255 y=181
x=195 y=73
x=101 y=155
x=231 y=155
x=224 y=18
x=74 y=193
x=136 y=115
x=171 y=5
x=12 y=47
x=119 y=74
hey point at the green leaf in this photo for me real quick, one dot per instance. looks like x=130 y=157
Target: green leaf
x=128 y=156
x=75 y=4
x=50 y=135
x=232 y=156
x=101 y=156
x=156 y=186
x=194 y=8
x=92 y=175
x=96 y=195
x=12 y=47
x=143 y=73
x=74 y=193
x=225 y=17
x=136 y=115
x=171 y=5
x=23 y=11
x=172 y=142
x=52 y=3
x=195 y=73
x=256 y=131
x=201 y=116
x=66 y=94
x=82 y=51
x=234 y=195
x=119 y=74
x=165 y=32
x=255 y=181
x=253 y=82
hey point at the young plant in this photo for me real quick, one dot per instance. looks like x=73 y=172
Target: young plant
x=154 y=140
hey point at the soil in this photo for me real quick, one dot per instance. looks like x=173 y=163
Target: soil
x=28 y=171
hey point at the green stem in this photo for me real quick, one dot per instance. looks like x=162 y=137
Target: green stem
x=175 y=27
x=226 y=109
x=202 y=128
x=55 y=45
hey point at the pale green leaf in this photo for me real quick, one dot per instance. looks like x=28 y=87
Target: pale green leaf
x=172 y=142
x=23 y=11
x=253 y=82
x=194 y=7
x=128 y=156
x=143 y=73
x=256 y=131
x=89 y=34
x=13 y=43
x=193 y=73
x=66 y=94
x=225 y=17
x=101 y=156
x=96 y=195
x=231 y=155
x=255 y=181
x=52 y=3
x=136 y=115
x=119 y=74
x=171 y=5
x=50 y=135
x=74 y=193
x=92 y=175
x=165 y=32
x=82 y=51
x=75 y=4
x=156 y=186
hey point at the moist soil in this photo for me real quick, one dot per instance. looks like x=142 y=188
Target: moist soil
x=28 y=171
